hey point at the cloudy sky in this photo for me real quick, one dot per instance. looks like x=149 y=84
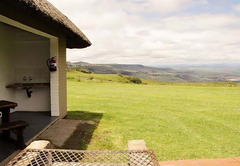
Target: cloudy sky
x=153 y=32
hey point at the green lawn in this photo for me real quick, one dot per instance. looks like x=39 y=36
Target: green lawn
x=177 y=122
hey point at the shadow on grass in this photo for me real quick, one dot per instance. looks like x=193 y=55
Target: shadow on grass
x=84 y=132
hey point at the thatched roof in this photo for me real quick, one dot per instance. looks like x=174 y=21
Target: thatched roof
x=45 y=11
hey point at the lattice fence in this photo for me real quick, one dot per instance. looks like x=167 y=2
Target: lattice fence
x=58 y=157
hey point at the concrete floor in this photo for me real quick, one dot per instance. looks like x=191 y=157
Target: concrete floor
x=37 y=122
x=66 y=133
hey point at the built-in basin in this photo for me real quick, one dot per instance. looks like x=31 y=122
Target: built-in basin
x=28 y=86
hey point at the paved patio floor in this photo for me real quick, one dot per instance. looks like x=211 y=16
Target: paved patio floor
x=203 y=162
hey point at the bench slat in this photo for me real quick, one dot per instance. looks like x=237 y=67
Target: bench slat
x=13 y=125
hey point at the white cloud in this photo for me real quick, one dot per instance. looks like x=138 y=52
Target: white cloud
x=236 y=8
x=122 y=37
x=163 y=6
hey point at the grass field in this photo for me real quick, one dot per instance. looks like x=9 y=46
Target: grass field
x=177 y=122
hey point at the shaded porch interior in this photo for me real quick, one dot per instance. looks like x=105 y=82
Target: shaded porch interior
x=23 y=57
x=37 y=122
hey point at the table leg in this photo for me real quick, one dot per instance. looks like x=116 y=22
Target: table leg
x=5 y=115
x=20 y=138
x=6 y=119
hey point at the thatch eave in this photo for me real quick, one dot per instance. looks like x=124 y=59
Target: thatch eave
x=48 y=14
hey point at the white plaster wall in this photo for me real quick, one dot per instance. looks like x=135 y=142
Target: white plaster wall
x=40 y=100
x=7 y=72
x=31 y=55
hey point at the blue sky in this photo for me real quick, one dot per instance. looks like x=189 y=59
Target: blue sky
x=212 y=6
x=215 y=7
x=153 y=32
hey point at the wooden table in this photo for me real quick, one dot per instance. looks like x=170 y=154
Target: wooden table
x=5 y=107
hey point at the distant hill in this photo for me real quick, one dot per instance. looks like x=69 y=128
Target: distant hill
x=166 y=74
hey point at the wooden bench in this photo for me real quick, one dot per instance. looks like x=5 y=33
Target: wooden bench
x=16 y=127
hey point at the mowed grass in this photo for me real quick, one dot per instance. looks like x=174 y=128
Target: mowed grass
x=177 y=122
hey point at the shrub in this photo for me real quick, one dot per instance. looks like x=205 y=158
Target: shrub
x=135 y=80
x=91 y=78
x=70 y=78
x=83 y=70
x=232 y=84
x=120 y=75
x=129 y=78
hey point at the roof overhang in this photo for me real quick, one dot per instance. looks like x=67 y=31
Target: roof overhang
x=26 y=10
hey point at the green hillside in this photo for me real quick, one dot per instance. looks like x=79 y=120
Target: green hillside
x=201 y=73
x=118 y=78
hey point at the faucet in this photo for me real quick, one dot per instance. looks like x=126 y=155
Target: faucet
x=29 y=93
x=24 y=78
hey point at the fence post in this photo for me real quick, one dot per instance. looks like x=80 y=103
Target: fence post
x=136 y=145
